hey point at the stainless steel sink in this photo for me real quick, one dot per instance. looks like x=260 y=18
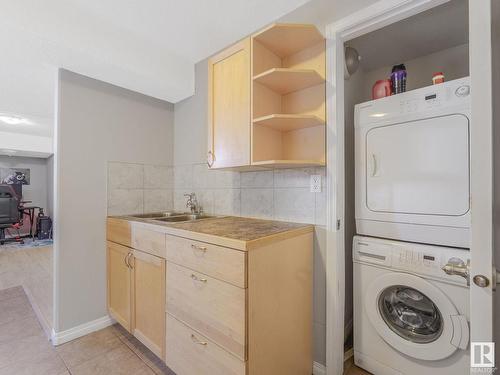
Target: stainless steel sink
x=179 y=218
x=158 y=215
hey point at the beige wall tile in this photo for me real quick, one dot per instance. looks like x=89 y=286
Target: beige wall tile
x=125 y=201
x=227 y=202
x=264 y=179
x=257 y=203
x=158 y=177
x=293 y=178
x=158 y=200
x=295 y=205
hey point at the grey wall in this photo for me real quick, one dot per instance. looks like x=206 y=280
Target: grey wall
x=453 y=62
x=96 y=123
x=39 y=188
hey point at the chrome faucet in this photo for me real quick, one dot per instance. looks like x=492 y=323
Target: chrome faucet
x=192 y=203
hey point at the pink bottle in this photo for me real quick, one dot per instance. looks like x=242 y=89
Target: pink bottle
x=381 y=89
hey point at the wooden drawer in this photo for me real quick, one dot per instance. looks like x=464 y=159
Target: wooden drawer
x=213 y=307
x=190 y=353
x=149 y=241
x=118 y=231
x=216 y=261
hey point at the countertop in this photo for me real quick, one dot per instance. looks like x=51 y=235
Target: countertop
x=238 y=232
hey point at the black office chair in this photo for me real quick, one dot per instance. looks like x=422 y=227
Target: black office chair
x=9 y=212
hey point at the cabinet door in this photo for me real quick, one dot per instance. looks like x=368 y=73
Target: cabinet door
x=149 y=301
x=119 y=283
x=229 y=107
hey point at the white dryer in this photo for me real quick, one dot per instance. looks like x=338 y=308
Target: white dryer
x=412 y=165
x=410 y=317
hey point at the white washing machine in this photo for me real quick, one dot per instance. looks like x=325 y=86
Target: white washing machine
x=410 y=317
x=412 y=165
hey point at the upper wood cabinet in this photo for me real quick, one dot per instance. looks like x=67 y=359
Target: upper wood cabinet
x=229 y=107
x=281 y=123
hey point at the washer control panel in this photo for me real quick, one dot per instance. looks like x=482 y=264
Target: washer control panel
x=425 y=260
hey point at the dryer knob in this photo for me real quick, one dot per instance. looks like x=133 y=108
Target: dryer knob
x=462 y=91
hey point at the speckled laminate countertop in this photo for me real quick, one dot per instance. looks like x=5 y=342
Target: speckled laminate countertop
x=241 y=232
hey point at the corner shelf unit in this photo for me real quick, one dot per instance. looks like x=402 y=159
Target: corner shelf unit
x=288 y=97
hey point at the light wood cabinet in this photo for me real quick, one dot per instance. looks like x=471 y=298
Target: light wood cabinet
x=149 y=301
x=136 y=283
x=119 y=284
x=229 y=107
x=281 y=124
x=212 y=304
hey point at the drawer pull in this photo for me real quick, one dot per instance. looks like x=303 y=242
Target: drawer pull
x=196 y=341
x=196 y=278
x=198 y=247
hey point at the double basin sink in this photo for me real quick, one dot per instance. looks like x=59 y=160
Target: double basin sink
x=172 y=217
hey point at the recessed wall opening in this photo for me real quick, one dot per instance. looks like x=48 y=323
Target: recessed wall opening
x=431 y=44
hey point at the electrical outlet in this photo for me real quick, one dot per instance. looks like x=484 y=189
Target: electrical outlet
x=315 y=183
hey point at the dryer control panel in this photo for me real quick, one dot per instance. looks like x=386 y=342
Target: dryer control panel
x=419 y=259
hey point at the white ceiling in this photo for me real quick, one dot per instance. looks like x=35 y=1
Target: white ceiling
x=148 y=46
x=436 y=29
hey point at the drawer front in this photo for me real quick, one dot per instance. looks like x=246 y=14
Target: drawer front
x=216 y=261
x=118 y=231
x=149 y=241
x=190 y=353
x=212 y=307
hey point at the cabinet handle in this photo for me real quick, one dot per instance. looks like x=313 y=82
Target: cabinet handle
x=125 y=260
x=196 y=341
x=198 y=247
x=210 y=159
x=129 y=255
x=196 y=278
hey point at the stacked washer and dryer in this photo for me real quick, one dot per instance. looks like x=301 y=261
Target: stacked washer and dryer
x=411 y=296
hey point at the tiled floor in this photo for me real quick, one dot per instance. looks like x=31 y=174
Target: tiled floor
x=25 y=349
x=351 y=369
x=31 y=268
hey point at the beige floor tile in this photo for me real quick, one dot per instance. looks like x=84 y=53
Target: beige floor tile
x=27 y=349
x=48 y=363
x=88 y=347
x=20 y=328
x=14 y=309
x=119 y=361
x=16 y=291
x=146 y=355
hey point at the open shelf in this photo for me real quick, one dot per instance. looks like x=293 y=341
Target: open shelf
x=285 y=122
x=287 y=39
x=287 y=80
x=289 y=163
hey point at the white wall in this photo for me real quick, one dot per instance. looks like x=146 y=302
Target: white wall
x=96 y=123
x=453 y=62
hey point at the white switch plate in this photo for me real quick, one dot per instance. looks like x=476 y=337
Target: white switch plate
x=315 y=183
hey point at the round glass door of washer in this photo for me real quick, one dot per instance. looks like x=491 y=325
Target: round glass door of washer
x=410 y=314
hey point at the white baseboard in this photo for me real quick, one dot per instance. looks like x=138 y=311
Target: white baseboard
x=319 y=369
x=59 y=338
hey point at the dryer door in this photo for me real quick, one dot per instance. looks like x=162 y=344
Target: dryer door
x=419 y=167
x=415 y=317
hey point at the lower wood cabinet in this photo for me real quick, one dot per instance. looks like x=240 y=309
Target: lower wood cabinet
x=136 y=294
x=119 y=284
x=222 y=308
x=148 y=276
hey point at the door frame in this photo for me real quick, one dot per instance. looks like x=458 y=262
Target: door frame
x=366 y=20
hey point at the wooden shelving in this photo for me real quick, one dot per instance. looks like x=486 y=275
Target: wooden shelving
x=287 y=80
x=288 y=39
x=288 y=97
x=285 y=122
x=289 y=163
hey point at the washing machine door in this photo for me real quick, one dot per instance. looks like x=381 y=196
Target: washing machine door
x=415 y=317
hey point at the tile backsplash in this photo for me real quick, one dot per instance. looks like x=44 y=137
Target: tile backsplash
x=139 y=188
x=276 y=194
